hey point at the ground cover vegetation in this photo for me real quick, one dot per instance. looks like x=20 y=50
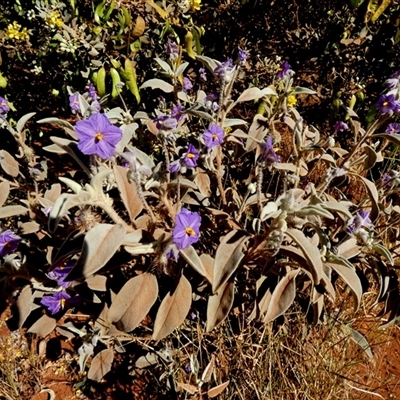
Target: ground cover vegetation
x=198 y=199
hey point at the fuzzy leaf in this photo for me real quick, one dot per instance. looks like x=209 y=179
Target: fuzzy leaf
x=257 y=132
x=43 y=326
x=282 y=297
x=228 y=257
x=186 y=386
x=133 y=302
x=351 y=278
x=99 y=245
x=374 y=196
x=173 y=309
x=311 y=253
x=128 y=191
x=23 y=120
x=191 y=257
x=101 y=364
x=4 y=192
x=158 y=84
x=207 y=374
x=383 y=251
x=215 y=391
x=11 y=211
x=9 y=164
x=219 y=305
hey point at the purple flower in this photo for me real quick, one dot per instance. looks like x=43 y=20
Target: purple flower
x=177 y=112
x=213 y=136
x=91 y=90
x=359 y=221
x=202 y=73
x=74 y=102
x=166 y=122
x=393 y=81
x=242 y=56
x=172 y=50
x=341 y=126
x=55 y=302
x=187 y=228
x=97 y=135
x=175 y=166
x=191 y=157
x=8 y=242
x=59 y=274
x=224 y=69
x=387 y=104
x=4 y=107
x=391 y=179
x=284 y=70
x=393 y=128
x=187 y=84
x=268 y=154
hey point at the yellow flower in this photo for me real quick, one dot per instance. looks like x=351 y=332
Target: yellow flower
x=195 y=5
x=291 y=100
x=13 y=32
x=54 y=19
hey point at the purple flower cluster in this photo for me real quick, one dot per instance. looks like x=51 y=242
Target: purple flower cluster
x=284 y=70
x=172 y=50
x=177 y=112
x=56 y=302
x=59 y=300
x=242 y=56
x=187 y=228
x=97 y=135
x=393 y=128
x=59 y=274
x=187 y=84
x=188 y=160
x=213 y=136
x=224 y=69
x=91 y=91
x=8 y=242
x=268 y=154
x=74 y=102
x=4 y=106
x=202 y=73
x=394 y=81
x=360 y=221
x=341 y=126
x=387 y=104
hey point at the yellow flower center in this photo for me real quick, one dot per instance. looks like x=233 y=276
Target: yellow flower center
x=190 y=231
x=385 y=103
x=190 y=155
x=98 y=137
x=214 y=137
x=62 y=303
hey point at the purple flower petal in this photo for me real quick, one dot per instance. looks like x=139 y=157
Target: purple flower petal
x=97 y=135
x=8 y=242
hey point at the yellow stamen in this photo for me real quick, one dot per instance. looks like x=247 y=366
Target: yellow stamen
x=385 y=103
x=190 y=231
x=98 y=137
x=214 y=137
x=190 y=155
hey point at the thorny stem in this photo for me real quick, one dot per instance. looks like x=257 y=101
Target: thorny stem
x=136 y=178
x=167 y=161
x=260 y=177
x=113 y=215
x=219 y=175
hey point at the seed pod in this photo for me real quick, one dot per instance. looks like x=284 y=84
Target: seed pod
x=131 y=82
x=101 y=82
x=116 y=79
x=94 y=78
x=116 y=64
x=189 y=45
